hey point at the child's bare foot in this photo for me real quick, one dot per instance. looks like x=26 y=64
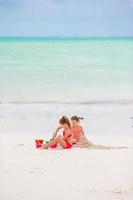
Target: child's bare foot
x=45 y=146
x=40 y=147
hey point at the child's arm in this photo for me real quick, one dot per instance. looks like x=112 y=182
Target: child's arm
x=85 y=138
x=65 y=136
x=82 y=132
x=55 y=133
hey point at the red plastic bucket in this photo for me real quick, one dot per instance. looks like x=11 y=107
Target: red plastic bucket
x=39 y=143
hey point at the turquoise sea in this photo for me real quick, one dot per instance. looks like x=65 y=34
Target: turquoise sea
x=82 y=70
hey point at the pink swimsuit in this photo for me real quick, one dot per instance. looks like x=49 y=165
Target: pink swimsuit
x=68 y=144
x=77 y=132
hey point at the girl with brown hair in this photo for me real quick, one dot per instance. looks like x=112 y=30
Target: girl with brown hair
x=64 y=141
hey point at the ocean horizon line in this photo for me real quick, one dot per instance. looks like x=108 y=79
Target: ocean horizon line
x=3 y=38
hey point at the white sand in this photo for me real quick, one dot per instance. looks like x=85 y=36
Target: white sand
x=30 y=174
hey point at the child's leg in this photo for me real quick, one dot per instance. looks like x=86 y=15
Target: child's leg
x=58 y=139
x=73 y=140
x=61 y=142
x=84 y=142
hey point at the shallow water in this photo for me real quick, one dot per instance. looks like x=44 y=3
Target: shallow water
x=66 y=70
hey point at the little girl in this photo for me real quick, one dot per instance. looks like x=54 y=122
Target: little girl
x=64 y=141
x=78 y=132
x=79 y=137
x=76 y=128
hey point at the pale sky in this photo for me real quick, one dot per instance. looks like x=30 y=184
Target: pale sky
x=64 y=18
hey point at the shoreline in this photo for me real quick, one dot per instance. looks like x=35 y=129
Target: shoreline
x=91 y=102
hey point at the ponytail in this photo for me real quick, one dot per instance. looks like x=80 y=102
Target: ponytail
x=76 y=118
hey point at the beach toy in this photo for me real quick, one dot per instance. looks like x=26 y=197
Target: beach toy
x=39 y=143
